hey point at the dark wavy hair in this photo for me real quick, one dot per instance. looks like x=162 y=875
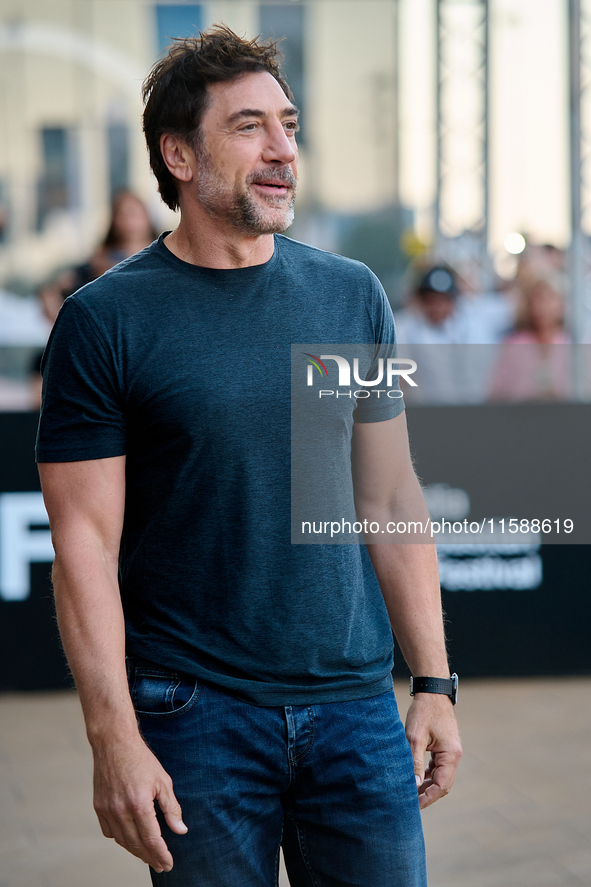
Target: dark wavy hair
x=175 y=91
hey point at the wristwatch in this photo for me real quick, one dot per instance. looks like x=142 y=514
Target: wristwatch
x=445 y=686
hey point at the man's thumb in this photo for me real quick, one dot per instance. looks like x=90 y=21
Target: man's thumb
x=172 y=812
x=419 y=767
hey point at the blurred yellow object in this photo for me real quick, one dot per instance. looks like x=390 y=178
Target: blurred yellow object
x=412 y=245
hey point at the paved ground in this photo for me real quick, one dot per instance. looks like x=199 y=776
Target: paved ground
x=519 y=815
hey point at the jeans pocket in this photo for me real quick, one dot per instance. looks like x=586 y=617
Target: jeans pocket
x=159 y=693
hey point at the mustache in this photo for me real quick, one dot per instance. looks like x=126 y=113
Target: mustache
x=284 y=174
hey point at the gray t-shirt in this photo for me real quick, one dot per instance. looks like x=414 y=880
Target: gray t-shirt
x=186 y=371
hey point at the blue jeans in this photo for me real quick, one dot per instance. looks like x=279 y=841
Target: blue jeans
x=331 y=783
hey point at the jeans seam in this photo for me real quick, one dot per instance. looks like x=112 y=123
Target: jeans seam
x=310 y=742
x=302 y=845
x=170 y=693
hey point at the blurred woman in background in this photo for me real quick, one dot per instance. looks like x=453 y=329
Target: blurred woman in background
x=130 y=230
x=541 y=370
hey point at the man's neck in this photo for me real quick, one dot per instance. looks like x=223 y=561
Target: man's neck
x=199 y=242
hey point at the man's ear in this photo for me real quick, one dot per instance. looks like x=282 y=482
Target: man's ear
x=178 y=157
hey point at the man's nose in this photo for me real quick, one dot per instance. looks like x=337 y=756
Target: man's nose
x=279 y=146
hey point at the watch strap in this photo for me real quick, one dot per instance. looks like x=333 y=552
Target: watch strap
x=444 y=686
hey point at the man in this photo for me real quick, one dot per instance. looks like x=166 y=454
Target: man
x=439 y=314
x=259 y=671
x=445 y=326
x=432 y=316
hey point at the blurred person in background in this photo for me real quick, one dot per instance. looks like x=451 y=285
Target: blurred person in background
x=534 y=363
x=444 y=326
x=537 y=261
x=431 y=314
x=443 y=310
x=23 y=329
x=51 y=295
x=130 y=230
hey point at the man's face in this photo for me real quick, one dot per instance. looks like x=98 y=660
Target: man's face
x=247 y=155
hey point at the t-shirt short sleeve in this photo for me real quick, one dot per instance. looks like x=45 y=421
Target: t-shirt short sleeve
x=389 y=402
x=82 y=414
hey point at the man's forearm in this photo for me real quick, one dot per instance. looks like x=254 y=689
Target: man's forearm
x=91 y=625
x=409 y=580
x=408 y=575
x=86 y=503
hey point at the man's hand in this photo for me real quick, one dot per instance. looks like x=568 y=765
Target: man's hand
x=127 y=781
x=431 y=727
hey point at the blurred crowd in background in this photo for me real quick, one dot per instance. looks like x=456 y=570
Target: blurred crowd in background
x=420 y=189
x=511 y=344
x=468 y=343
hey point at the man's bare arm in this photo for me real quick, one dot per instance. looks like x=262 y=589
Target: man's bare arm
x=85 y=502
x=386 y=489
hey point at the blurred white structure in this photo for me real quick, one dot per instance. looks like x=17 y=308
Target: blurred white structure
x=365 y=72
x=22 y=321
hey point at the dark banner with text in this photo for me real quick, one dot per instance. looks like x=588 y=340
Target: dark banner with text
x=515 y=607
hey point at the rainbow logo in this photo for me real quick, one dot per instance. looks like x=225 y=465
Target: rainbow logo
x=316 y=362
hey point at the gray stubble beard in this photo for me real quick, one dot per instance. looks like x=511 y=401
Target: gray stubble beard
x=245 y=213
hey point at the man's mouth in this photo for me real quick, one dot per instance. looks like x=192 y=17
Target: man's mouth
x=272 y=186
x=277 y=184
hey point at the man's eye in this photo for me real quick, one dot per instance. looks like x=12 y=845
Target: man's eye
x=249 y=127
x=293 y=126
